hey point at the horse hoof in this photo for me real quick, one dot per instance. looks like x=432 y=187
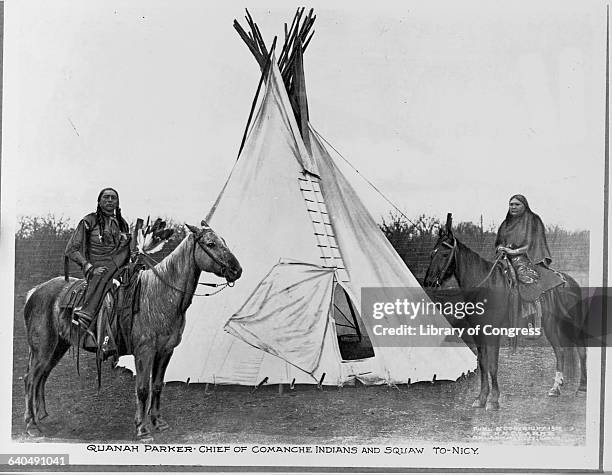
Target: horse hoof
x=554 y=392
x=144 y=438
x=161 y=425
x=492 y=406
x=143 y=434
x=478 y=404
x=33 y=431
x=43 y=415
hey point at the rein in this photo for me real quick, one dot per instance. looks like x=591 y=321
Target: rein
x=495 y=262
x=182 y=291
x=452 y=256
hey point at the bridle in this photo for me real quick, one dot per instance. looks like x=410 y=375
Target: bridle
x=197 y=241
x=452 y=256
x=448 y=263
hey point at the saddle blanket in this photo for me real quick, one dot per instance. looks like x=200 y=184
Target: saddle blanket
x=548 y=280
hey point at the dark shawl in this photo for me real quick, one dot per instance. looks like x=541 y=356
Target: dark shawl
x=525 y=230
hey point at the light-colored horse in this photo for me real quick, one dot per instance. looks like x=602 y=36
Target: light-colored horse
x=166 y=292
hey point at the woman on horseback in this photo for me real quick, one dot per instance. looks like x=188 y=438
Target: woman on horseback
x=521 y=241
x=522 y=238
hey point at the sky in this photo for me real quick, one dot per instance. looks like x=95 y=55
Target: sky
x=444 y=106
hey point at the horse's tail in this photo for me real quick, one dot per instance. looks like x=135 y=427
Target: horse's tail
x=573 y=310
x=29 y=294
x=27 y=306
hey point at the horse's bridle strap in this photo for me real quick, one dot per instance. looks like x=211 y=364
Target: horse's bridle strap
x=451 y=256
x=213 y=258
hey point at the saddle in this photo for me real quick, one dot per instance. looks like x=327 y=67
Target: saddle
x=547 y=279
x=109 y=333
x=73 y=295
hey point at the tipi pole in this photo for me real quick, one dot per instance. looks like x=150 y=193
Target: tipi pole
x=299 y=90
x=251 y=44
x=290 y=37
x=263 y=75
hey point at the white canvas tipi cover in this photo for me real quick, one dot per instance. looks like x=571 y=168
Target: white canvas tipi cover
x=263 y=215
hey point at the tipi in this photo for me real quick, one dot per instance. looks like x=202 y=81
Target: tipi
x=307 y=246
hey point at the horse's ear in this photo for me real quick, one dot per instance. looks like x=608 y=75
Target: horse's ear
x=449 y=223
x=193 y=229
x=204 y=224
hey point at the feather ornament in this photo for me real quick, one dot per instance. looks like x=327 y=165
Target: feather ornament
x=153 y=237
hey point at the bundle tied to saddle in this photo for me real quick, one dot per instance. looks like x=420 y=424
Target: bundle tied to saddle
x=109 y=333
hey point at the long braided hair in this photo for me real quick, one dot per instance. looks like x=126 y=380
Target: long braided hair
x=123 y=226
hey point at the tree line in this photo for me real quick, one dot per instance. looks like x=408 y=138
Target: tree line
x=40 y=241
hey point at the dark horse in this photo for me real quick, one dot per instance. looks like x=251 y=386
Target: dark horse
x=166 y=292
x=481 y=280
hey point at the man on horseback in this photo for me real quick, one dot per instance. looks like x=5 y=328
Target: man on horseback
x=521 y=244
x=100 y=246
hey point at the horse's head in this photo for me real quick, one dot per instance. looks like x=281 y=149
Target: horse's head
x=212 y=254
x=442 y=259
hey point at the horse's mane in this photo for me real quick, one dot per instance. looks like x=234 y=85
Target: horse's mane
x=172 y=269
x=473 y=267
x=176 y=262
x=474 y=259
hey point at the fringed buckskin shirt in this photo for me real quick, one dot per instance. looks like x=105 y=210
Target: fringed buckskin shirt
x=87 y=244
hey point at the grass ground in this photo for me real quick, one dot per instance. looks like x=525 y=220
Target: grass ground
x=361 y=415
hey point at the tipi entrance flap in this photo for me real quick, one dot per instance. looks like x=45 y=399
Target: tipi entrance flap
x=287 y=314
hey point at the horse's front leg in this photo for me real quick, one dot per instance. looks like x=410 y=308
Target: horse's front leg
x=481 y=400
x=492 y=366
x=159 y=370
x=144 y=365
